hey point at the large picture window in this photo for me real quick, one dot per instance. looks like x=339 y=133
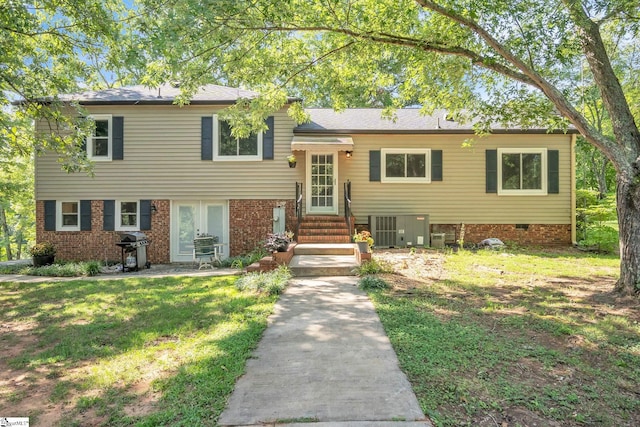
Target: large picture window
x=406 y=165
x=522 y=171
x=99 y=145
x=228 y=147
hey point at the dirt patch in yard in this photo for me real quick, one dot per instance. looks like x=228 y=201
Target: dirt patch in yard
x=587 y=335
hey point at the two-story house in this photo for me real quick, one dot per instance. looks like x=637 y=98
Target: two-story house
x=172 y=172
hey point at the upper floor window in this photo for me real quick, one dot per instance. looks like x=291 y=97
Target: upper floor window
x=228 y=147
x=127 y=215
x=99 y=145
x=406 y=165
x=68 y=216
x=522 y=171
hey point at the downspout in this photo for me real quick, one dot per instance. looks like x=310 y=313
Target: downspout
x=573 y=189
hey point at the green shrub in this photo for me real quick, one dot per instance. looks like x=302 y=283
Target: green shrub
x=59 y=269
x=592 y=216
x=372 y=283
x=270 y=282
x=92 y=268
x=13 y=269
x=372 y=267
x=602 y=237
x=593 y=212
x=242 y=261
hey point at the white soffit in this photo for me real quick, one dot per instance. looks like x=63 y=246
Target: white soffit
x=320 y=143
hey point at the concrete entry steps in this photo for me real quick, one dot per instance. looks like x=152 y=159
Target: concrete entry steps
x=324 y=259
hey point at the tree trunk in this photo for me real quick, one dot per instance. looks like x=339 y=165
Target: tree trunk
x=601 y=175
x=19 y=244
x=5 y=231
x=628 y=205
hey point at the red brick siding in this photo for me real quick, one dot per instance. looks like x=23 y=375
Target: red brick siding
x=251 y=220
x=536 y=234
x=98 y=244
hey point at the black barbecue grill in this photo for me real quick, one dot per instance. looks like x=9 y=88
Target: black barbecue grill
x=134 y=250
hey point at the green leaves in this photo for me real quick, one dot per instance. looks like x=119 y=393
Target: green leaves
x=48 y=49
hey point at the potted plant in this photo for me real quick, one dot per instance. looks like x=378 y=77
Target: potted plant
x=364 y=241
x=278 y=242
x=292 y=160
x=43 y=254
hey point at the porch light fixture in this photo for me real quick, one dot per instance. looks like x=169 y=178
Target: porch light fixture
x=154 y=209
x=349 y=153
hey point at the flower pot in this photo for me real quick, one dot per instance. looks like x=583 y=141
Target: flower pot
x=292 y=164
x=363 y=247
x=39 y=261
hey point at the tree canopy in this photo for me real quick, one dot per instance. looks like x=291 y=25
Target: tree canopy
x=48 y=48
x=525 y=62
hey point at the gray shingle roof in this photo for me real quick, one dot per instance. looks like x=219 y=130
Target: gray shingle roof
x=370 y=120
x=164 y=94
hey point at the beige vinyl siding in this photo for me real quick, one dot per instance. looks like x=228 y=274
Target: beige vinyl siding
x=162 y=161
x=461 y=196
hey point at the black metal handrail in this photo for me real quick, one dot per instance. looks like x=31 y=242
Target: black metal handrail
x=347 y=204
x=298 y=206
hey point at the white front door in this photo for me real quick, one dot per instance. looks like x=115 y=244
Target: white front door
x=190 y=218
x=322 y=190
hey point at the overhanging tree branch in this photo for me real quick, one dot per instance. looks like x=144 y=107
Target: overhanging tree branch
x=397 y=40
x=553 y=94
x=624 y=126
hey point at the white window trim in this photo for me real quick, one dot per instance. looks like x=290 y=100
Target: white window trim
x=59 y=224
x=118 y=219
x=237 y=158
x=405 y=180
x=107 y=158
x=540 y=192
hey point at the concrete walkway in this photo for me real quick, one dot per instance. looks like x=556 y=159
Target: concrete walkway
x=324 y=359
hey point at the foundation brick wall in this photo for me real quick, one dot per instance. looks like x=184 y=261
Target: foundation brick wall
x=100 y=245
x=251 y=220
x=534 y=234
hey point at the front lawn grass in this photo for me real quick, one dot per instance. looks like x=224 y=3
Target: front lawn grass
x=137 y=351
x=518 y=339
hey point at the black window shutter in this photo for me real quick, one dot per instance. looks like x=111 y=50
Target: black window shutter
x=109 y=215
x=85 y=215
x=145 y=214
x=268 y=140
x=492 y=170
x=117 y=140
x=436 y=165
x=83 y=143
x=374 y=165
x=206 y=140
x=50 y=215
x=553 y=171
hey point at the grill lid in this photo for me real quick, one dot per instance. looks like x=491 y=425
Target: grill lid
x=133 y=236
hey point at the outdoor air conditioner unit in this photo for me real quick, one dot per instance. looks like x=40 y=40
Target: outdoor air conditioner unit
x=391 y=231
